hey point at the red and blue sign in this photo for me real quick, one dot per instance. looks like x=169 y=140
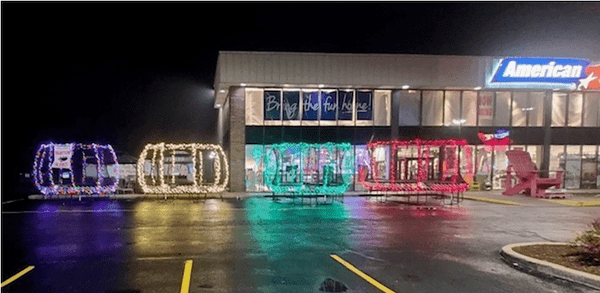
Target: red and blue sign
x=572 y=73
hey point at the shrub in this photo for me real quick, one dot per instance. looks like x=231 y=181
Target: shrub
x=590 y=239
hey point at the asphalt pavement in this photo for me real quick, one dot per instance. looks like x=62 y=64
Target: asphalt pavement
x=253 y=244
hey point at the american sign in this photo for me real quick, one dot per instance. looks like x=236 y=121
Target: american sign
x=573 y=72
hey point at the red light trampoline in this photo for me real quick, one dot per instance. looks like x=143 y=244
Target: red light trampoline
x=414 y=167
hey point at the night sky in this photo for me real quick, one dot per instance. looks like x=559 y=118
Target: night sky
x=134 y=73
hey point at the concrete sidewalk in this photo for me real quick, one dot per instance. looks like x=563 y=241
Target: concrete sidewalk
x=576 y=198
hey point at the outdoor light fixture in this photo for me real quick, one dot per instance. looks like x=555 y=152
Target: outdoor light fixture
x=477 y=88
x=162 y=184
x=59 y=159
x=242 y=84
x=221 y=91
x=527 y=109
x=405 y=87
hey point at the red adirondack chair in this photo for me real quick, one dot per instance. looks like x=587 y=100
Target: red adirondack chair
x=527 y=173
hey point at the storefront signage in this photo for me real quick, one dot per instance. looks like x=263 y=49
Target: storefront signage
x=291 y=105
x=272 y=105
x=328 y=105
x=310 y=106
x=486 y=106
x=364 y=105
x=526 y=72
x=345 y=100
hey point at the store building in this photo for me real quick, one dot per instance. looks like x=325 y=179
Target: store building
x=549 y=106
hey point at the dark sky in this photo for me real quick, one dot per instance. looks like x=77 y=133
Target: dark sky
x=132 y=73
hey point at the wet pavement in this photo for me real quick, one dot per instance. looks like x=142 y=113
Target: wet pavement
x=256 y=245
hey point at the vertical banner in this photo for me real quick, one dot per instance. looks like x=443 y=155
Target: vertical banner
x=62 y=156
x=486 y=106
x=291 y=105
x=345 y=100
x=310 y=104
x=272 y=105
x=364 y=105
x=328 y=105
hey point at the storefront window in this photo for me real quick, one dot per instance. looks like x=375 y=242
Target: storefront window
x=520 y=107
x=452 y=108
x=536 y=106
x=500 y=164
x=559 y=107
x=571 y=163
x=255 y=167
x=254 y=107
x=409 y=110
x=469 y=108
x=433 y=108
x=588 y=166
x=535 y=152
x=486 y=108
x=382 y=108
x=575 y=109
x=502 y=109
x=590 y=111
x=556 y=152
x=362 y=165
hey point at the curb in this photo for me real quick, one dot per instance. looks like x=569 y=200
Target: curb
x=538 y=267
x=574 y=203
x=497 y=201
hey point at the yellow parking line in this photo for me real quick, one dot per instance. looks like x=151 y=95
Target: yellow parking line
x=187 y=274
x=21 y=273
x=575 y=203
x=490 y=200
x=361 y=274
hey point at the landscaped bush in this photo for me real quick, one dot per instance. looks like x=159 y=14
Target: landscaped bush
x=590 y=239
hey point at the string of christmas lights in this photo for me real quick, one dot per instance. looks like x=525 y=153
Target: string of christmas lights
x=421 y=183
x=336 y=152
x=220 y=165
x=50 y=188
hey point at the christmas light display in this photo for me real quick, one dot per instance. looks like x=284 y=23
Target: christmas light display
x=424 y=181
x=195 y=151
x=43 y=174
x=328 y=171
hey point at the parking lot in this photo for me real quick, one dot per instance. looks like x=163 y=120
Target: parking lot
x=253 y=244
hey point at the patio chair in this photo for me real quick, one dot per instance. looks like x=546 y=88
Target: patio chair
x=529 y=181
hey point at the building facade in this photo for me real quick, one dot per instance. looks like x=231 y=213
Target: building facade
x=548 y=106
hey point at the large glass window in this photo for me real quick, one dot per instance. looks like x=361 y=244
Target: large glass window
x=575 y=109
x=520 y=108
x=588 y=166
x=254 y=107
x=502 y=115
x=409 y=110
x=433 y=108
x=536 y=106
x=452 y=108
x=486 y=108
x=590 y=111
x=559 y=109
x=382 y=107
x=572 y=166
x=469 y=108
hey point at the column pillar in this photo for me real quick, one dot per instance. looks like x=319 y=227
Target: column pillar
x=237 y=139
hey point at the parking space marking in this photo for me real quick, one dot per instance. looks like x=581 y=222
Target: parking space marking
x=187 y=274
x=362 y=275
x=18 y=275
